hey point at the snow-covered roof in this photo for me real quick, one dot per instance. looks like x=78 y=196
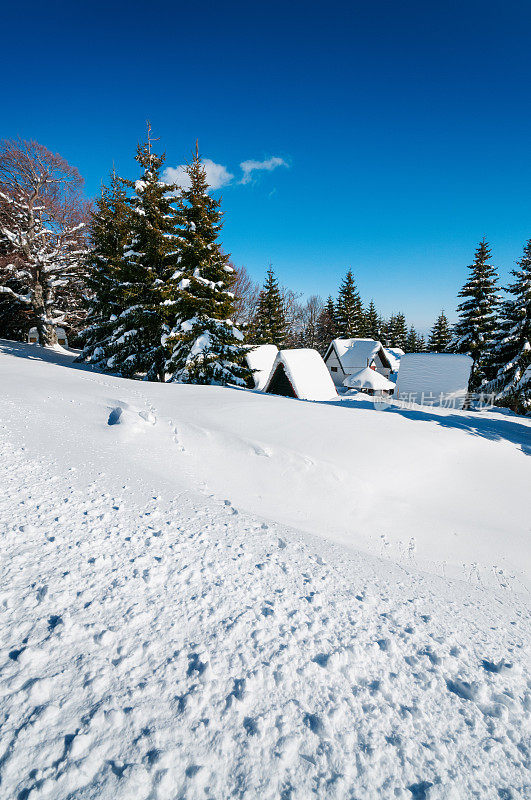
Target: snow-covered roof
x=307 y=374
x=260 y=358
x=356 y=354
x=368 y=379
x=432 y=378
x=394 y=354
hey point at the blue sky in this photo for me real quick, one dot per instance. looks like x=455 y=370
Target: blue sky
x=405 y=127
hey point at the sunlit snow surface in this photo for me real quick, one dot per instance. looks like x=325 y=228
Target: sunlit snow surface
x=210 y=593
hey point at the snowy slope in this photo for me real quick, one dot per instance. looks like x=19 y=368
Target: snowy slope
x=193 y=602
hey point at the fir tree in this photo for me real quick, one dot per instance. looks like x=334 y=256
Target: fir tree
x=371 y=323
x=109 y=228
x=349 y=310
x=383 y=327
x=203 y=345
x=270 y=324
x=512 y=354
x=150 y=257
x=475 y=330
x=326 y=326
x=412 y=341
x=440 y=335
x=396 y=333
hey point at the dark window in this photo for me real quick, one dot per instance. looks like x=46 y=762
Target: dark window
x=334 y=369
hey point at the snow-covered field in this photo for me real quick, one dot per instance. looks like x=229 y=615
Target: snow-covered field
x=211 y=593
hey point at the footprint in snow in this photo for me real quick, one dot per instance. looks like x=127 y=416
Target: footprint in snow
x=419 y=791
x=148 y=416
x=462 y=689
x=492 y=666
x=314 y=723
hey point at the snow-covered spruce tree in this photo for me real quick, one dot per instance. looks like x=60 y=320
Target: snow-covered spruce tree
x=476 y=328
x=203 y=346
x=143 y=275
x=42 y=239
x=440 y=335
x=511 y=356
x=349 y=310
x=371 y=322
x=270 y=324
x=414 y=342
x=396 y=331
x=108 y=230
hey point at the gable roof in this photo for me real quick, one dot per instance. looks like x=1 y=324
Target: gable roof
x=260 y=358
x=306 y=372
x=394 y=354
x=356 y=354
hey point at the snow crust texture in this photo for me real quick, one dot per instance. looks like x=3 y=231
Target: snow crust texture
x=158 y=642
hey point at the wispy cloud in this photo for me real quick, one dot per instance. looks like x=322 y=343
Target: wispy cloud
x=250 y=166
x=216 y=174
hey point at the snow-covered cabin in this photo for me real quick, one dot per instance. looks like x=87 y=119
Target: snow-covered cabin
x=301 y=374
x=394 y=354
x=346 y=356
x=370 y=381
x=260 y=359
x=434 y=378
x=33 y=336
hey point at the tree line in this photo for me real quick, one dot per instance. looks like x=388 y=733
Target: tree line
x=275 y=315
x=141 y=283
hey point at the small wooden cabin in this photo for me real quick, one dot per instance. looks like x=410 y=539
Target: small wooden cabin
x=260 y=359
x=344 y=357
x=301 y=374
x=33 y=336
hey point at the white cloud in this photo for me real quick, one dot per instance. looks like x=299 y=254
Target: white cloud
x=216 y=174
x=248 y=167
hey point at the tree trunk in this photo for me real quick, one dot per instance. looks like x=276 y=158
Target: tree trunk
x=46 y=331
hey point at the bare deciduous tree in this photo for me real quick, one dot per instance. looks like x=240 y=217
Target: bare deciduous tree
x=42 y=236
x=246 y=295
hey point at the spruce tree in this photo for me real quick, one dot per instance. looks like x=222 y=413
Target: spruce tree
x=150 y=256
x=396 y=332
x=326 y=326
x=269 y=325
x=371 y=323
x=349 y=310
x=440 y=335
x=383 y=326
x=203 y=346
x=109 y=227
x=511 y=356
x=476 y=328
x=412 y=341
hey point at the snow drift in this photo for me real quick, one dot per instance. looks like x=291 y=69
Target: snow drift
x=209 y=592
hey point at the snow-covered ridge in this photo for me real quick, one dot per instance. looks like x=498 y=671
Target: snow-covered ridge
x=208 y=592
